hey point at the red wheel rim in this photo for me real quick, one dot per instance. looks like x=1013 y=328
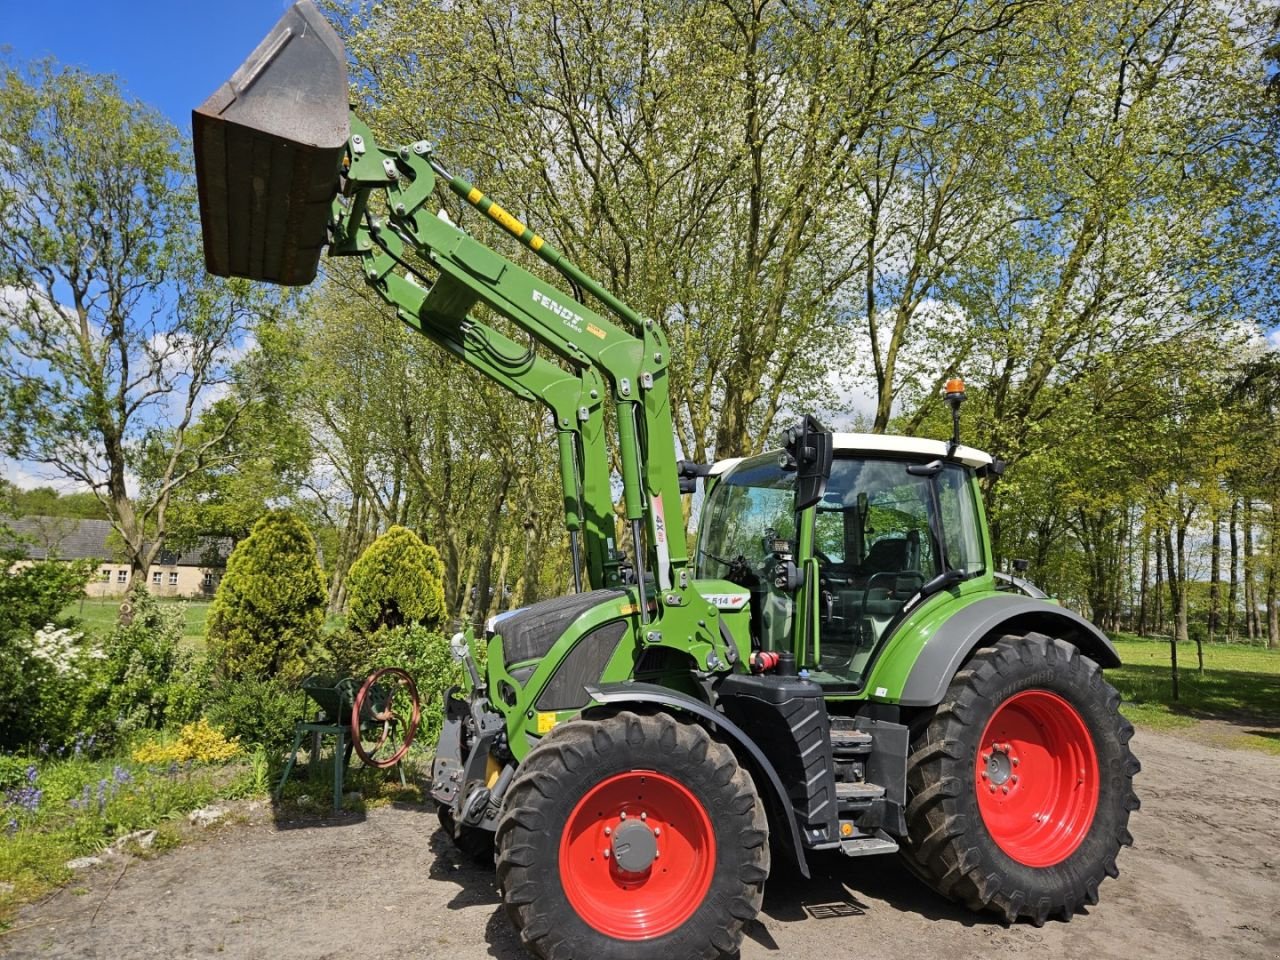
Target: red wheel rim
x=1037 y=778
x=646 y=903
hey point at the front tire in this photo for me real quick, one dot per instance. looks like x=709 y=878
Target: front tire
x=632 y=837
x=1020 y=785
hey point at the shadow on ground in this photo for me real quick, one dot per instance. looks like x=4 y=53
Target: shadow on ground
x=839 y=887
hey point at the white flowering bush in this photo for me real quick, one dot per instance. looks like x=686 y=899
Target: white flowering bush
x=63 y=653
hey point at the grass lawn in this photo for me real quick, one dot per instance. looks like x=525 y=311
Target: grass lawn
x=1240 y=685
x=99 y=616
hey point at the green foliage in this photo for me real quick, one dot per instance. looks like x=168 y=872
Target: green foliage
x=114 y=335
x=258 y=712
x=148 y=679
x=396 y=582
x=32 y=596
x=40 y=679
x=424 y=654
x=268 y=613
x=48 y=502
x=84 y=804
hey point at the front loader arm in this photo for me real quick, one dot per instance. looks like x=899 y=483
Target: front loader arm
x=634 y=363
x=284 y=171
x=576 y=400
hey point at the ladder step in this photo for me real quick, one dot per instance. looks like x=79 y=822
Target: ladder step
x=850 y=742
x=859 y=791
x=866 y=846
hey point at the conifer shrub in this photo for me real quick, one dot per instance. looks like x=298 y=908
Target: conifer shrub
x=398 y=581
x=267 y=616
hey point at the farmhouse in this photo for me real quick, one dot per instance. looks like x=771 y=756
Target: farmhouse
x=194 y=572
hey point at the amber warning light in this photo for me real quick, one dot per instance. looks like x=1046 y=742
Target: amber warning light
x=955 y=385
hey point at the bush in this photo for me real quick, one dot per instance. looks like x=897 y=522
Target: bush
x=397 y=581
x=258 y=712
x=39 y=677
x=268 y=613
x=196 y=741
x=424 y=655
x=146 y=679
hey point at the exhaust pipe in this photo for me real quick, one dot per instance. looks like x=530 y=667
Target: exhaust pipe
x=269 y=145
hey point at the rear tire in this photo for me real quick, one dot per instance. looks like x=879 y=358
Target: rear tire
x=1020 y=786
x=633 y=837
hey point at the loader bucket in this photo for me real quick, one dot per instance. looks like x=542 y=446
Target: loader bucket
x=269 y=145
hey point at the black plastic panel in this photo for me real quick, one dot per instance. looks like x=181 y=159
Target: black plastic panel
x=787 y=718
x=584 y=664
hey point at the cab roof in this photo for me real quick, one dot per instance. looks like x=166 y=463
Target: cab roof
x=911 y=446
x=883 y=443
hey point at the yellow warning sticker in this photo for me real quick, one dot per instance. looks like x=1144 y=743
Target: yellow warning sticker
x=506 y=219
x=536 y=242
x=546 y=722
x=595 y=331
x=475 y=196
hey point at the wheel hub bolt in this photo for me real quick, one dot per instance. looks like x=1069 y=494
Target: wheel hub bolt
x=623 y=815
x=657 y=831
x=1004 y=789
x=644 y=816
x=608 y=830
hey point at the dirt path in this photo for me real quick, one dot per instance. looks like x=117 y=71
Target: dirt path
x=1202 y=882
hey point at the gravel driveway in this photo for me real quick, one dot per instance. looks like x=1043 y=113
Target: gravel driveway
x=1203 y=881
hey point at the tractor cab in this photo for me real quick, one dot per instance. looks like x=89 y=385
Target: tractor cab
x=898 y=521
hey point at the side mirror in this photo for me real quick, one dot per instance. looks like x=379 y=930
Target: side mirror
x=810 y=448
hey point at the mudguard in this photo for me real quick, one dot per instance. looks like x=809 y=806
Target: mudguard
x=774 y=794
x=946 y=650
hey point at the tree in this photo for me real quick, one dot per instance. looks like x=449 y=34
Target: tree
x=396 y=582
x=113 y=338
x=267 y=615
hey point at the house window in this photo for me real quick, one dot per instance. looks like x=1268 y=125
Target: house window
x=122 y=576
x=208 y=579
x=173 y=578
x=104 y=575
x=155 y=577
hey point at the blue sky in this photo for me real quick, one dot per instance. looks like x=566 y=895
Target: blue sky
x=171 y=55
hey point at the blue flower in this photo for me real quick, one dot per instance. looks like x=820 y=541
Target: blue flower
x=32 y=773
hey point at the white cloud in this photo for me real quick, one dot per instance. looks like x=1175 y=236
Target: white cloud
x=28 y=475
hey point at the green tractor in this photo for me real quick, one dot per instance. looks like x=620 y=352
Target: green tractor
x=838 y=667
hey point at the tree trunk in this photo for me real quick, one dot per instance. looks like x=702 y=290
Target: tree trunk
x=1175 y=598
x=1175 y=562
x=343 y=560
x=1250 y=601
x=498 y=601
x=1215 y=577
x=1158 y=613
x=1234 y=587
x=1273 y=571
x=1143 y=586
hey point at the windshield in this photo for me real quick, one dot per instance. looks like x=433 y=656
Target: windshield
x=750 y=514
x=876 y=548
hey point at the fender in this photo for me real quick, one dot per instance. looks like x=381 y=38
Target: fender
x=775 y=796
x=945 y=652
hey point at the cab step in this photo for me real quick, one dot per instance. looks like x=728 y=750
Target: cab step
x=856 y=791
x=879 y=842
x=850 y=743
